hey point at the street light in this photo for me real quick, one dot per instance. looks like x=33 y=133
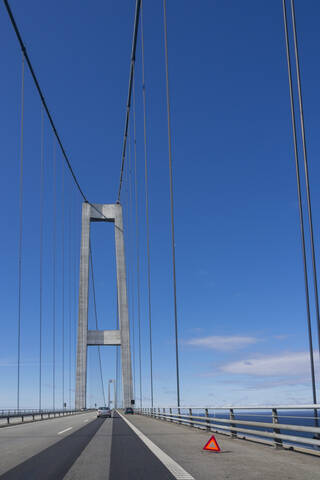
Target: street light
x=114 y=393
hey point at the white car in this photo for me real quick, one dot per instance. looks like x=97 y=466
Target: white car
x=104 y=412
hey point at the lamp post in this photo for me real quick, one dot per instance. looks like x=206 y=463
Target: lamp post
x=114 y=393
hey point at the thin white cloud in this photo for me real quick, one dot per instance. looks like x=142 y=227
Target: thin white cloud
x=253 y=383
x=282 y=337
x=289 y=363
x=222 y=343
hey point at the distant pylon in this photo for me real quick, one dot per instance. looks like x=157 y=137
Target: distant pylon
x=100 y=213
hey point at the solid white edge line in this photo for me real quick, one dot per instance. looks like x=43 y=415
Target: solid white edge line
x=63 y=431
x=177 y=471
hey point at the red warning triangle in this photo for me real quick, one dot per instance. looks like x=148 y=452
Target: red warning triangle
x=212 y=445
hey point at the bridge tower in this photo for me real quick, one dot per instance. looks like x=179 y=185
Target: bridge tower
x=102 y=213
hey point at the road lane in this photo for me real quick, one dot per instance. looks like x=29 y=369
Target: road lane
x=20 y=442
x=54 y=462
x=94 y=461
x=175 y=468
x=131 y=459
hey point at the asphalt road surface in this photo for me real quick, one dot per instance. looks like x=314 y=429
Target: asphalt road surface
x=77 y=447
x=135 y=447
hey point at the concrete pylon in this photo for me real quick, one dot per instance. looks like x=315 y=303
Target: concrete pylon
x=109 y=213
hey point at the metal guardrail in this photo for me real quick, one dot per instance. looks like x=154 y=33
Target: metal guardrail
x=227 y=420
x=30 y=415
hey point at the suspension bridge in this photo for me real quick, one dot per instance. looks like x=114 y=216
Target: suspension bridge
x=99 y=252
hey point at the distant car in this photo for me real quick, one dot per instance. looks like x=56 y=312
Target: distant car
x=104 y=412
x=129 y=411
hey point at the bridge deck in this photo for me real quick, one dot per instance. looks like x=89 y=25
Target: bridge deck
x=83 y=447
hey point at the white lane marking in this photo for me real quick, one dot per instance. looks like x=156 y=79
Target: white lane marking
x=66 y=430
x=177 y=471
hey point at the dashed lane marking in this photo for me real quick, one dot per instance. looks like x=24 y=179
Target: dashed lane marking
x=177 y=471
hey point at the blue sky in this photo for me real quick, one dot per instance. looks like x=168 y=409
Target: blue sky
x=241 y=305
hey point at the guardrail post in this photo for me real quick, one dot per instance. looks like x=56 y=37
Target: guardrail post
x=164 y=414
x=8 y=420
x=233 y=432
x=207 y=419
x=159 y=413
x=22 y=418
x=179 y=421
x=170 y=411
x=190 y=417
x=275 y=419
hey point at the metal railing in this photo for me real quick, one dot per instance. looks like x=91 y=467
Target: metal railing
x=294 y=427
x=30 y=415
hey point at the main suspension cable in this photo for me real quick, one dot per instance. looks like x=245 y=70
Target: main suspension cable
x=147 y=202
x=303 y=243
x=44 y=103
x=306 y=170
x=171 y=203
x=20 y=232
x=131 y=75
x=96 y=319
